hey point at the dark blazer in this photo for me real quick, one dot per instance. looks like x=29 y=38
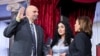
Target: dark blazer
x=81 y=45
x=23 y=43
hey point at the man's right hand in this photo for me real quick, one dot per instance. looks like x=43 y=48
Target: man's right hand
x=20 y=14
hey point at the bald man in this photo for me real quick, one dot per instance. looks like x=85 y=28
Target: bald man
x=28 y=37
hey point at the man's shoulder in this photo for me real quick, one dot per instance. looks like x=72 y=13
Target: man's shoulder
x=24 y=21
x=38 y=26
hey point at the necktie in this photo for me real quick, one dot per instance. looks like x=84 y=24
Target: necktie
x=34 y=40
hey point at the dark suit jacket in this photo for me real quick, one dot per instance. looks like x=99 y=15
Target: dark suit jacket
x=81 y=45
x=23 y=43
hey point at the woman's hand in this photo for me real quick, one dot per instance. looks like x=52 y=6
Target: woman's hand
x=63 y=54
x=48 y=55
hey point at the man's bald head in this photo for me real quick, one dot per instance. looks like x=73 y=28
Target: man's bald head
x=32 y=12
x=31 y=7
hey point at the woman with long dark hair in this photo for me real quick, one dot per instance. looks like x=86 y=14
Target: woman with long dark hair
x=61 y=40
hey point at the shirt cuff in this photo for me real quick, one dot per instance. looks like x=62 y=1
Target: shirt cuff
x=18 y=19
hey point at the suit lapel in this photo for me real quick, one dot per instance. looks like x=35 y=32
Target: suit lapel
x=38 y=34
x=28 y=28
x=37 y=31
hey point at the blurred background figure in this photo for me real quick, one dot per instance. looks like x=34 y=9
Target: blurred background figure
x=4 y=42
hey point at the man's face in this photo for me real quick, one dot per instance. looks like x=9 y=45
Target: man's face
x=33 y=13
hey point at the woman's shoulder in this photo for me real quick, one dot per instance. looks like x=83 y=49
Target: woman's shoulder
x=81 y=35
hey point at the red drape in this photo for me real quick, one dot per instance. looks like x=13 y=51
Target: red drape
x=81 y=12
x=85 y=1
x=49 y=15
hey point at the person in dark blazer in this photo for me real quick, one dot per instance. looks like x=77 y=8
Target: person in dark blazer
x=28 y=37
x=81 y=45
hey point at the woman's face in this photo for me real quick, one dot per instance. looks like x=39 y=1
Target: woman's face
x=61 y=29
x=77 y=26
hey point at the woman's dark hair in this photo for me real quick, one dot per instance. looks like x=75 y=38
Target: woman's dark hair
x=68 y=35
